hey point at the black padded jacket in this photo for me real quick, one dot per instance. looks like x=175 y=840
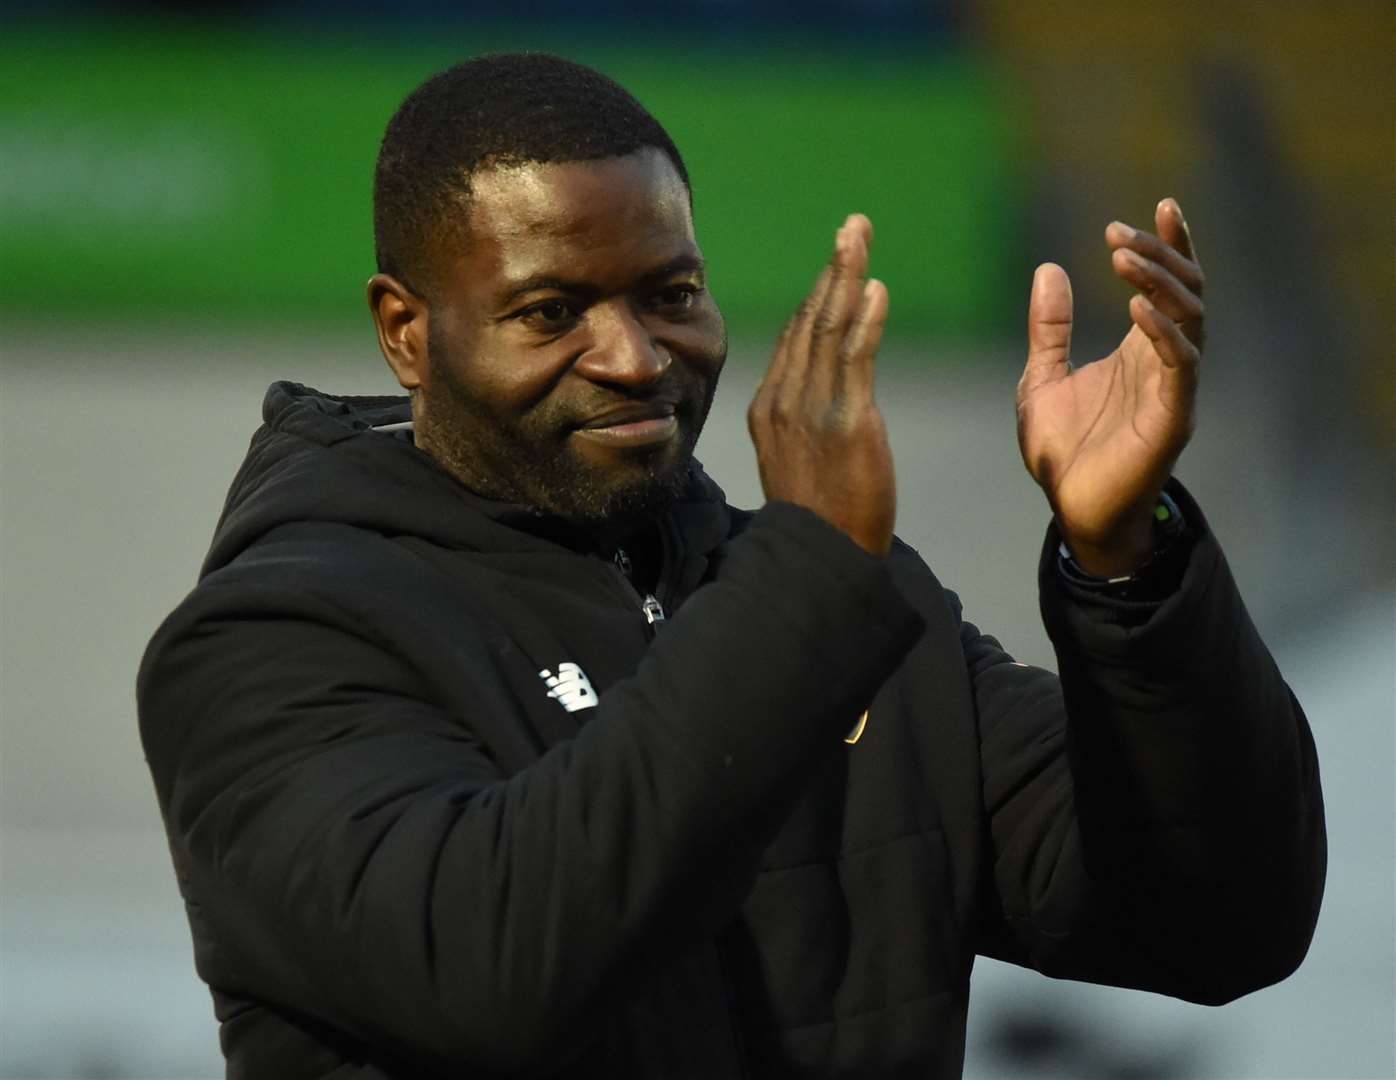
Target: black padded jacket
x=411 y=843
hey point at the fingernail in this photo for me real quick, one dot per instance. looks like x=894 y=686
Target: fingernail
x=1128 y=232
x=1172 y=203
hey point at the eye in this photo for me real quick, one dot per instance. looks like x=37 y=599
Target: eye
x=549 y=314
x=679 y=297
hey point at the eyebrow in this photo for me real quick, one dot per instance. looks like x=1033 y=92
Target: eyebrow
x=541 y=282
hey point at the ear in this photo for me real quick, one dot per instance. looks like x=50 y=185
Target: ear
x=400 y=317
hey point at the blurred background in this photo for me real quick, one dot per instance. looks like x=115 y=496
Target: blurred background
x=184 y=216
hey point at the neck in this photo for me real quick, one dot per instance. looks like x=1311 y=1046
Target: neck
x=640 y=539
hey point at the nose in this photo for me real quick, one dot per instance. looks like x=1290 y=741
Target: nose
x=622 y=351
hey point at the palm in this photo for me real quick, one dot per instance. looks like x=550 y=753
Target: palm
x=1102 y=439
x=1105 y=436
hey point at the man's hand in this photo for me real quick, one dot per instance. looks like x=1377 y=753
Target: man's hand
x=1102 y=440
x=820 y=440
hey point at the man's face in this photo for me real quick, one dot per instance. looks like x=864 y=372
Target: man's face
x=574 y=348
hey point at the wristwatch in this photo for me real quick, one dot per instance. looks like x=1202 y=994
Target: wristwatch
x=1159 y=575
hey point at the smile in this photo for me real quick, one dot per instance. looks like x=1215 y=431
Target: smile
x=622 y=430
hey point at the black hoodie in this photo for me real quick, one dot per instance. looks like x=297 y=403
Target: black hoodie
x=446 y=797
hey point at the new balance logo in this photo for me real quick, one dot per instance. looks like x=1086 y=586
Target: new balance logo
x=570 y=687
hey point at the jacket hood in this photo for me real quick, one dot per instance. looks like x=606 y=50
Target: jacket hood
x=347 y=460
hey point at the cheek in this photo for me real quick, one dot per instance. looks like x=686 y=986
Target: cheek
x=507 y=379
x=706 y=343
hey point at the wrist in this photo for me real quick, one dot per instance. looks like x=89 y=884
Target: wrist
x=1119 y=557
x=1157 y=570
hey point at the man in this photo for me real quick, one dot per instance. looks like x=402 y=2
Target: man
x=492 y=742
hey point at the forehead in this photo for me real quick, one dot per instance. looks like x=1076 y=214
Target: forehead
x=598 y=217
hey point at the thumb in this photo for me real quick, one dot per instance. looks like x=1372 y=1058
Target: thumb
x=1049 y=328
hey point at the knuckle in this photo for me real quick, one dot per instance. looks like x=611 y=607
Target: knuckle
x=832 y=417
x=1148 y=245
x=826 y=323
x=847 y=416
x=781 y=411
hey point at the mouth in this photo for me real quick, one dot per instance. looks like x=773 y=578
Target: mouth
x=635 y=424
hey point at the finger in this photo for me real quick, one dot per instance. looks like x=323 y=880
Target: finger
x=1173 y=228
x=811 y=311
x=1119 y=235
x=841 y=300
x=857 y=356
x=1049 y=328
x=1179 y=356
x=1163 y=290
x=1178 y=371
x=775 y=371
x=797 y=337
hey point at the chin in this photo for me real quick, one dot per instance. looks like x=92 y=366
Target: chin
x=545 y=472
x=596 y=496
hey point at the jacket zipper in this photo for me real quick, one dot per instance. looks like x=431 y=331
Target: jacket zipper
x=650 y=607
x=653 y=609
x=729 y=1001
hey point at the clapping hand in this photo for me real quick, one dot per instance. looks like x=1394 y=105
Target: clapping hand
x=1102 y=439
x=820 y=440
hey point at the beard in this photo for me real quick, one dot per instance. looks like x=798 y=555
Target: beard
x=529 y=460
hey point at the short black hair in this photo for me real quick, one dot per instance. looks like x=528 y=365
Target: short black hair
x=504 y=109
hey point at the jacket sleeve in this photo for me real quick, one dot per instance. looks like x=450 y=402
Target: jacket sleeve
x=1155 y=817
x=351 y=854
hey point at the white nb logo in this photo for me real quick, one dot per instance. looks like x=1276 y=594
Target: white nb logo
x=570 y=687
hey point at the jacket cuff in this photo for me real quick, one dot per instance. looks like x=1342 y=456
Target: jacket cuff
x=1107 y=627
x=850 y=593
x=837 y=606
